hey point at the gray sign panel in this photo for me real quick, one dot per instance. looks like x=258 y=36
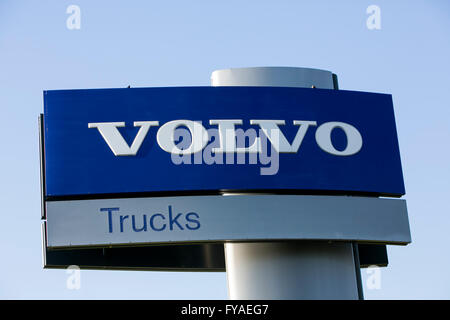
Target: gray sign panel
x=110 y=222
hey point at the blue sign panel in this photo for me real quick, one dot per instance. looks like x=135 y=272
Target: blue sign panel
x=144 y=140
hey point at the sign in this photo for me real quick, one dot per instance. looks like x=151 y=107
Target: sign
x=139 y=221
x=121 y=142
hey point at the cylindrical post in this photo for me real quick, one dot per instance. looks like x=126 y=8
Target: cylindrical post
x=295 y=269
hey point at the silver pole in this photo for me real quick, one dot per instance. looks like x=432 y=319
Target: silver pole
x=296 y=269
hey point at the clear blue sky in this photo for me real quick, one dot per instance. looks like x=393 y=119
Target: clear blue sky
x=168 y=43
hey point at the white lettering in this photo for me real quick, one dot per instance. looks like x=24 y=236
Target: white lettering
x=228 y=140
x=354 y=139
x=116 y=142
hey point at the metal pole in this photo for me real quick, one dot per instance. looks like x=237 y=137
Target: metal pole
x=296 y=269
